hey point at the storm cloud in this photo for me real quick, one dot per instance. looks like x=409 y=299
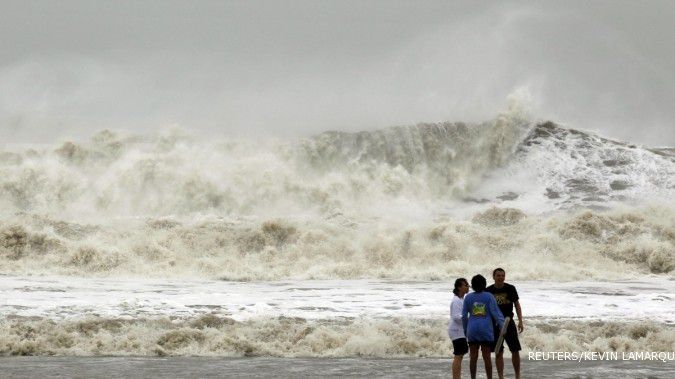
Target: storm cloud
x=291 y=68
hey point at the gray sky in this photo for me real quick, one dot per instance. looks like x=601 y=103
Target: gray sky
x=290 y=68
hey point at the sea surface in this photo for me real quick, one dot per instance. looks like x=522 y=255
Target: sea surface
x=331 y=254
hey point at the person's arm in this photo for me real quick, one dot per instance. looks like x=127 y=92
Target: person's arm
x=516 y=302
x=456 y=311
x=519 y=312
x=496 y=313
x=465 y=319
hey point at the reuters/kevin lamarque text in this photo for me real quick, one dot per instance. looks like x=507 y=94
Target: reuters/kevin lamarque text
x=579 y=356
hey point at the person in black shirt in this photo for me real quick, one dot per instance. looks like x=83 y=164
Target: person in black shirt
x=507 y=297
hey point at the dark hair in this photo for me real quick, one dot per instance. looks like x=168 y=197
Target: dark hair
x=458 y=283
x=497 y=270
x=478 y=283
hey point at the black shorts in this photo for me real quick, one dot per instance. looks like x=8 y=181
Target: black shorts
x=459 y=346
x=510 y=338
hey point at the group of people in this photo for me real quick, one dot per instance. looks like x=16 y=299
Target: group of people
x=476 y=320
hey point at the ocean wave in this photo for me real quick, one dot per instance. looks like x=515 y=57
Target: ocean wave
x=422 y=168
x=574 y=245
x=214 y=335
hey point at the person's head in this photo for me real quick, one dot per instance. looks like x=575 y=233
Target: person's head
x=478 y=283
x=499 y=275
x=461 y=287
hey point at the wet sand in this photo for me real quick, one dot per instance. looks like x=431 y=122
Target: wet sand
x=195 y=367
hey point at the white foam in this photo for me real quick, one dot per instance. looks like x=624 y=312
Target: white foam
x=67 y=298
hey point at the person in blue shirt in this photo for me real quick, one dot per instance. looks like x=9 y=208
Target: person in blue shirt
x=479 y=313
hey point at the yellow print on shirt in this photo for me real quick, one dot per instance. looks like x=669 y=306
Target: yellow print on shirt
x=502 y=298
x=478 y=309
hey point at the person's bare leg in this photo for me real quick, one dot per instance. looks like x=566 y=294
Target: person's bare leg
x=487 y=359
x=473 y=360
x=457 y=367
x=499 y=361
x=515 y=359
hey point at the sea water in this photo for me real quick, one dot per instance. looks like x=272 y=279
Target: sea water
x=340 y=245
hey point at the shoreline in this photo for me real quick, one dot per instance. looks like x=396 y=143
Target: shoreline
x=112 y=367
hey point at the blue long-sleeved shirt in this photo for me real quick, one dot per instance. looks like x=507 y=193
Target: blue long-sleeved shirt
x=479 y=312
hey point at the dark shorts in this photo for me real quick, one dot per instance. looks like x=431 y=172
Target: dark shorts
x=459 y=346
x=510 y=338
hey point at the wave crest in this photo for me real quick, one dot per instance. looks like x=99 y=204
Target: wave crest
x=212 y=335
x=574 y=246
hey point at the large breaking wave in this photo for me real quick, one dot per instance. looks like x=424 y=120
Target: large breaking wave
x=121 y=176
x=428 y=202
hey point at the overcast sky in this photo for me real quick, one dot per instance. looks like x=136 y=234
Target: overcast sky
x=291 y=68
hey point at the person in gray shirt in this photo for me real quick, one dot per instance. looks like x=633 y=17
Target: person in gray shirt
x=455 y=328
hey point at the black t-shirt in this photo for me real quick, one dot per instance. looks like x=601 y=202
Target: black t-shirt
x=505 y=297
